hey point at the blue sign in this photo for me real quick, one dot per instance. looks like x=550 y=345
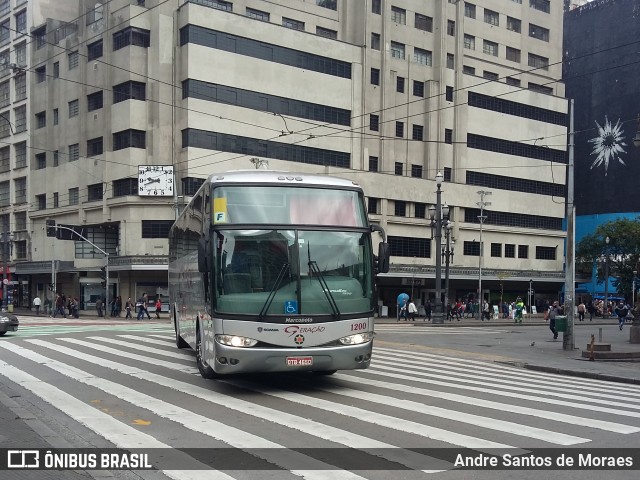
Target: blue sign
x=290 y=307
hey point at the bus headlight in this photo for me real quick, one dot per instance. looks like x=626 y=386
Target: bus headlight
x=357 y=339
x=236 y=341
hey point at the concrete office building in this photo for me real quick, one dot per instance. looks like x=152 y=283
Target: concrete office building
x=387 y=93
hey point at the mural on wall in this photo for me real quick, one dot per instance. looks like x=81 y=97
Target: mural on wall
x=608 y=145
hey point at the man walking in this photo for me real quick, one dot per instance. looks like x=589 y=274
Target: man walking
x=553 y=313
x=621 y=312
x=581 y=311
x=36 y=304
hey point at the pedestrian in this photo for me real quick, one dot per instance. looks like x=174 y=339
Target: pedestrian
x=553 y=313
x=591 y=310
x=412 y=310
x=621 y=311
x=36 y=304
x=140 y=307
x=485 y=311
x=427 y=310
x=99 y=306
x=145 y=305
x=127 y=307
x=403 y=311
x=159 y=307
x=118 y=305
x=75 y=306
x=581 y=311
x=519 y=310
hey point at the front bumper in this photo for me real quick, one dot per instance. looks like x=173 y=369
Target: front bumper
x=9 y=326
x=247 y=360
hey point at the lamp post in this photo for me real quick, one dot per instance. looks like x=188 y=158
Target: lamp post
x=447 y=255
x=6 y=239
x=633 y=290
x=436 y=214
x=530 y=296
x=605 y=309
x=482 y=217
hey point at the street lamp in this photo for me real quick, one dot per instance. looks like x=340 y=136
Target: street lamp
x=605 y=310
x=6 y=239
x=633 y=290
x=482 y=217
x=447 y=255
x=530 y=296
x=436 y=215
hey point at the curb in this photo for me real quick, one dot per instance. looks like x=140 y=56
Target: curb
x=574 y=373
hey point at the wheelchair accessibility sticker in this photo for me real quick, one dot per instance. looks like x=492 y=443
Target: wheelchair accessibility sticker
x=290 y=306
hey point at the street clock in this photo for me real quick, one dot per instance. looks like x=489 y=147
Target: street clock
x=155 y=180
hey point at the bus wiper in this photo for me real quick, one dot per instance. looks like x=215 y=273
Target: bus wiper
x=272 y=293
x=313 y=267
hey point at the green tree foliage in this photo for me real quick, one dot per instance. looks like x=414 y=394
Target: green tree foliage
x=623 y=252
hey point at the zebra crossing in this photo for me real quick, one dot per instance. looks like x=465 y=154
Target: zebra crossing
x=405 y=401
x=427 y=329
x=37 y=326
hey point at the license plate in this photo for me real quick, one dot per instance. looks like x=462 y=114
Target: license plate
x=299 y=361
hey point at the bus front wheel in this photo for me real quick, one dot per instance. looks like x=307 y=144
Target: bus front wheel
x=205 y=369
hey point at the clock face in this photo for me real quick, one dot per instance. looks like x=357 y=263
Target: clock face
x=155 y=180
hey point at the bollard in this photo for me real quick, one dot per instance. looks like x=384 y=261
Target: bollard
x=600 y=335
x=593 y=339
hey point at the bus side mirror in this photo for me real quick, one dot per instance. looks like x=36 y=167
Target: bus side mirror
x=203 y=264
x=383 y=257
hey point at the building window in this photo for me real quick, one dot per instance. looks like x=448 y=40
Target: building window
x=41 y=119
x=424 y=23
x=74 y=152
x=372 y=205
x=540 y=33
x=496 y=250
x=514 y=82
x=545 y=253
x=514 y=24
x=509 y=107
x=41 y=74
x=416 y=171
x=542 y=5
x=129 y=139
x=373 y=164
x=397 y=50
x=20 y=81
x=447 y=174
x=137 y=37
x=5 y=127
x=509 y=219
x=375 y=6
x=56 y=158
x=513 y=54
x=56 y=70
x=469 y=42
x=400 y=84
x=73 y=60
x=74 y=196
x=94 y=101
x=540 y=88
x=41 y=37
x=21 y=221
x=467 y=70
x=56 y=116
x=190 y=185
x=490 y=75
x=420 y=210
x=491 y=17
x=327 y=33
x=20 y=150
x=448 y=136
x=129 y=186
x=451 y=28
x=56 y=200
x=418 y=88
x=129 y=91
x=490 y=48
x=417 y=132
x=471 y=249
x=257 y=14
x=504 y=182
x=5 y=94
x=400 y=129
x=421 y=56
x=398 y=169
x=451 y=59
x=5 y=7
x=73 y=108
x=375 y=76
x=400 y=208
x=469 y=10
x=523 y=251
x=374 y=122
x=330 y=4
x=217 y=4
x=509 y=250
x=41 y=160
x=375 y=41
x=399 y=15
x=519 y=149
x=94 y=50
x=94 y=192
x=94 y=147
x=293 y=24
x=449 y=94
x=41 y=201
x=156 y=228
x=5 y=32
x=537 y=61
x=409 y=247
x=5 y=159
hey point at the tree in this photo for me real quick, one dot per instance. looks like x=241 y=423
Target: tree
x=623 y=251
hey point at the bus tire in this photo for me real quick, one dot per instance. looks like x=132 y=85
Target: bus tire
x=324 y=372
x=180 y=343
x=205 y=369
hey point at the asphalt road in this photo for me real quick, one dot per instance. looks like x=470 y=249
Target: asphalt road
x=447 y=391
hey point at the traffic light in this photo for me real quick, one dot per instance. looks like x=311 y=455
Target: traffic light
x=103 y=273
x=51 y=228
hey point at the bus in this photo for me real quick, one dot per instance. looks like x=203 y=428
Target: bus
x=273 y=272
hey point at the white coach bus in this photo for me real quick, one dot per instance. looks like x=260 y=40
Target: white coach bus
x=274 y=271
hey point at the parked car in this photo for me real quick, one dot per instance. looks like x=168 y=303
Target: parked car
x=8 y=323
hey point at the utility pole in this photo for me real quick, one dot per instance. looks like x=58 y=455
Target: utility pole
x=568 y=340
x=482 y=217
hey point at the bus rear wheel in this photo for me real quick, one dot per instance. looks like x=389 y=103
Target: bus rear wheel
x=205 y=369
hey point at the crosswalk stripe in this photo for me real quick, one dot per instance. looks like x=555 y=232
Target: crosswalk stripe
x=311 y=427
x=144 y=348
x=519 y=374
x=502 y=407
x=118 y=433
x=397 y=373
x=193 y=421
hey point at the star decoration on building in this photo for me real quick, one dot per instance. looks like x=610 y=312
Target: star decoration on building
x=608 y=144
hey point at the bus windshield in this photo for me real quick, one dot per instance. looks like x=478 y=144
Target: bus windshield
x=279 y=272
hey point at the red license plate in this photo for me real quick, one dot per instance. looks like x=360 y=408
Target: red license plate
x=299 y=361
